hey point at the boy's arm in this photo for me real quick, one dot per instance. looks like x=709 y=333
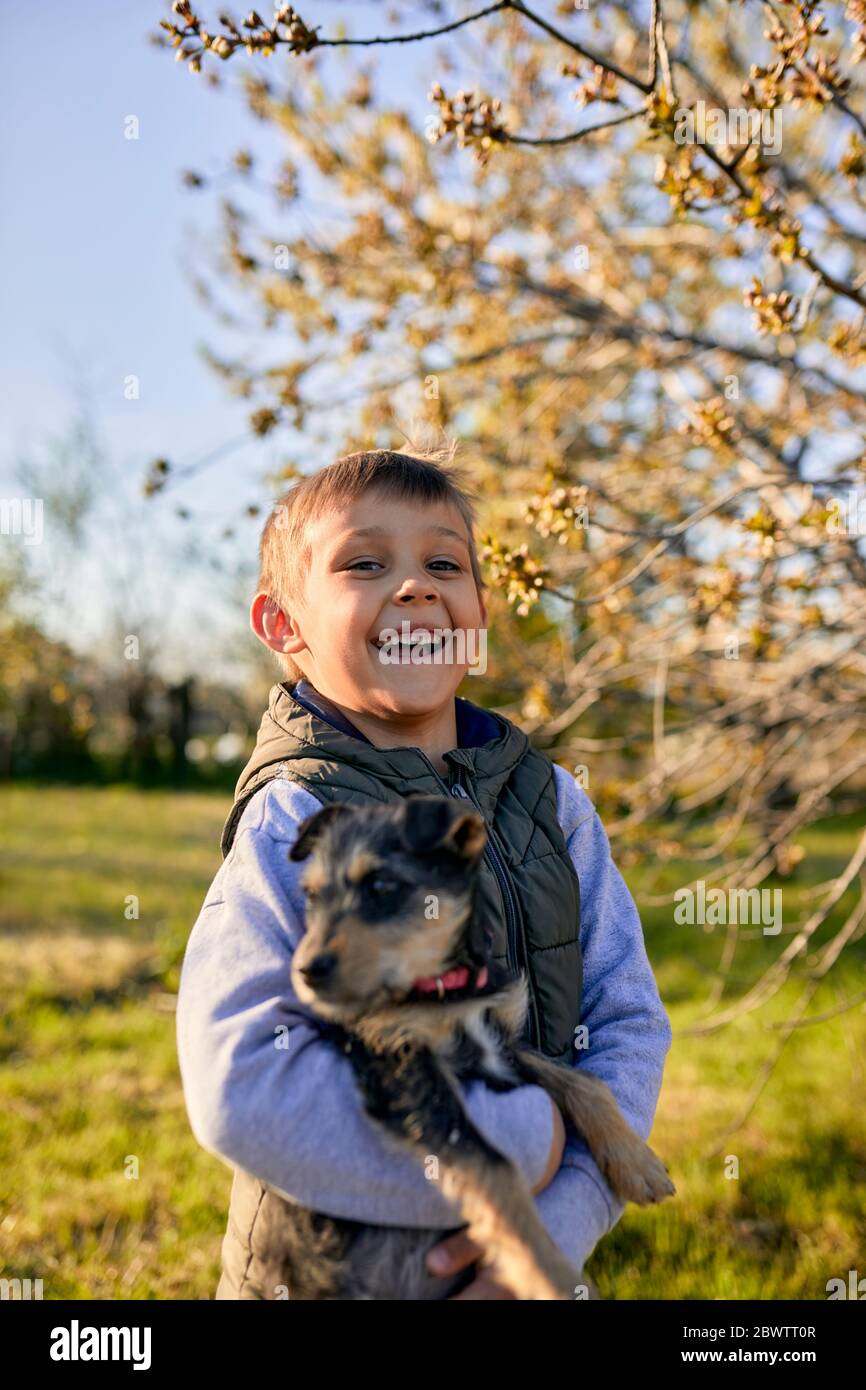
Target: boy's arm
x=629 y=1030
x=263 y=1090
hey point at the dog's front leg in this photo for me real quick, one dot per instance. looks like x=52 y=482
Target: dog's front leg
x=409 y=1093
x=629 y=1165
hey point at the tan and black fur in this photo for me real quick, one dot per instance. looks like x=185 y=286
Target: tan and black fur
x=390 y=894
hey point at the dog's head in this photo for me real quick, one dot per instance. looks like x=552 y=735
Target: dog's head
x=390 y=893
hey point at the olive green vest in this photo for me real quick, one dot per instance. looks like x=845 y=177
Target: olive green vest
x=528 y=894
x=528 y=891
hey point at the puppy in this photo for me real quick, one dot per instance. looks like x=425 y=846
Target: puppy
x=395 y=968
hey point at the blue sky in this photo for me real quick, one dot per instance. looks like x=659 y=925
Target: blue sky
x=94 y=235
x=94 y=231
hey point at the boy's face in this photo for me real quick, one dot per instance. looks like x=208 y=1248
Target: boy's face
x=413 y=565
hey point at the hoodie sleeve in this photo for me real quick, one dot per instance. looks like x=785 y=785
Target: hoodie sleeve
x=629 y=1030
x=263 y=1090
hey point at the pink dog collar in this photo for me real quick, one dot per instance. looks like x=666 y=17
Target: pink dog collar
x=452 y=979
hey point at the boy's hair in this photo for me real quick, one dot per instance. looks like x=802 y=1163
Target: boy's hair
x=426 y=475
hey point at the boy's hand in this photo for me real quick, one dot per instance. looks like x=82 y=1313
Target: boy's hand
x=457 y=1251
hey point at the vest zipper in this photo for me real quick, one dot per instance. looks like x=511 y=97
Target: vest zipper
x=515 y=938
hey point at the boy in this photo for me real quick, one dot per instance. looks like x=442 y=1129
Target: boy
x=375 y=540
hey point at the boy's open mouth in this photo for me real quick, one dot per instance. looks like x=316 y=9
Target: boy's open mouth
x=426 y=644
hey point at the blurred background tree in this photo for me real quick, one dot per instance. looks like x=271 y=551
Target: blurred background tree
x=648 y=336
x=109 y=691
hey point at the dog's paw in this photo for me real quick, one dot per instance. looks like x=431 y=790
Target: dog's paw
x=634 y=1172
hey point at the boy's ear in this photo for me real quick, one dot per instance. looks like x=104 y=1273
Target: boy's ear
x=438 y=823
x=273 y=627
x=311 y=829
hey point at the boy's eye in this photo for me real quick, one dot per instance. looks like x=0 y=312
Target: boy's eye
x=358 y=564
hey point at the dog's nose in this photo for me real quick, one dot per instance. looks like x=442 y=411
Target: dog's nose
x=320 y=968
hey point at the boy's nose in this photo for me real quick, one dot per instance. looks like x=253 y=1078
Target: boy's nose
x=320 y=969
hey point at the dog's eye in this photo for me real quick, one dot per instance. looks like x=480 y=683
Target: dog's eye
x=381 y=885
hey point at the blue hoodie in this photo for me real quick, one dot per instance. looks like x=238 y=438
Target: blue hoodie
x=306 y=1133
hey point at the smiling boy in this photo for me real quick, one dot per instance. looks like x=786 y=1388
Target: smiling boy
x=375 y=541
x=351 y=602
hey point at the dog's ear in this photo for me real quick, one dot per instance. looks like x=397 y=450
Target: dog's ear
x=312 y=827
x=437 y=823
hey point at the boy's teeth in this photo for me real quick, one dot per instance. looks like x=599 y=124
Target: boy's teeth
x=426 y=650
x=414 y=642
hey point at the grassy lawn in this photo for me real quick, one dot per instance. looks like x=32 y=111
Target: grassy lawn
x=104 y=1193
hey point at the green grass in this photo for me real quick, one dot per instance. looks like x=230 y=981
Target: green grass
x=104 y=1193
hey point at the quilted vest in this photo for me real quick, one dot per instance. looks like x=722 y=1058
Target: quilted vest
x=528 y=891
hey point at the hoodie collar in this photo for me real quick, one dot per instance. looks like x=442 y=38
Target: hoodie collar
x=475 y=726
x=299 y=724
x=307 y=695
